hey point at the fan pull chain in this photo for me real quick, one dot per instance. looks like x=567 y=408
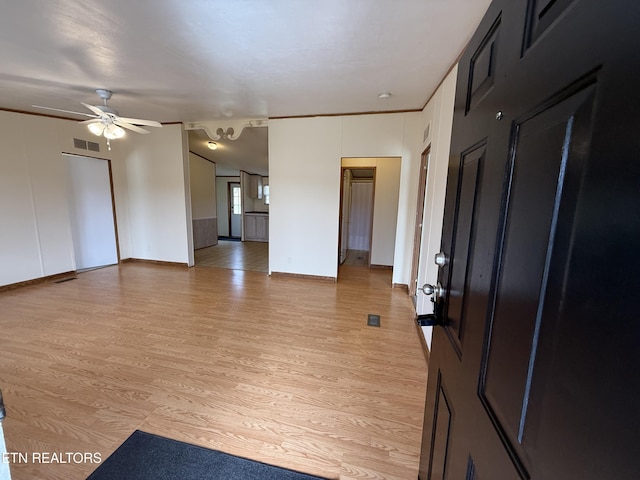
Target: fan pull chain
x=108 y=144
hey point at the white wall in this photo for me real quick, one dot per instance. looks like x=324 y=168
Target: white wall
x=203 y=187
x=35 y=229
x=157 y=171
x=439 y=114
x=304 y=171
x=304 y=174
x=385 y=211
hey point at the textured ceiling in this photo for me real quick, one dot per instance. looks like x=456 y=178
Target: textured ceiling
x=198 y=60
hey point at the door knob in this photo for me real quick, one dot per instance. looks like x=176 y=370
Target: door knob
x=441 y=259
x=436 y=290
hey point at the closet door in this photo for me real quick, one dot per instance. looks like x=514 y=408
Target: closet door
x=92 y=212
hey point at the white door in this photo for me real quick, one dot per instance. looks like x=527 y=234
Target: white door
x=91 y=211
x=346 y=209
x=360 y=218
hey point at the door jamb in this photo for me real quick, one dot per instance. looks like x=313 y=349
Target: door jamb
x=419 y=222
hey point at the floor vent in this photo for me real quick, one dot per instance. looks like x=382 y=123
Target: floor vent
x=373 y=320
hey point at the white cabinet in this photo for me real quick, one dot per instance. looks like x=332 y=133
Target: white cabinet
x=256 y=227
x=255 y=186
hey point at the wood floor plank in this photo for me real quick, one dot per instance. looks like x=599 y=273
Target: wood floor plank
x=282 y=370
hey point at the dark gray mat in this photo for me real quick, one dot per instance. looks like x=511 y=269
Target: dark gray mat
x=144 y=456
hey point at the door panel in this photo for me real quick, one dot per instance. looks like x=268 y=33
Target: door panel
x=455 y=278
x=440 y=439
x=541 y=15
x=545 y=165
x=538 y=351
x=483 y=66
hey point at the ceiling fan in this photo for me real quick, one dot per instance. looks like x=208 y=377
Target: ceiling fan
x=106 y=120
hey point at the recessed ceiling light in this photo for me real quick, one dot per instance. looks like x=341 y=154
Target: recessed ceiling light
x=212 y=145
x=384 y=95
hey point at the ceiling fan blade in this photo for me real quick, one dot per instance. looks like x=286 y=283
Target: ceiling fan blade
x=139 y=121
x=133 y=128
x=95 y=110
x=64 y=111
x=93 y=120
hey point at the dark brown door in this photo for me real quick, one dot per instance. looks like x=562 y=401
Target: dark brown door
x=536 y=371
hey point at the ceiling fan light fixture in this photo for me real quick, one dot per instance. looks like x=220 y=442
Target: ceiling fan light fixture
x=212 y=145
x=96 y=128
x=113 y=131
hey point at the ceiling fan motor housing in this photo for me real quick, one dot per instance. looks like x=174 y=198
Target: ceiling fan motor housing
x=104 y=94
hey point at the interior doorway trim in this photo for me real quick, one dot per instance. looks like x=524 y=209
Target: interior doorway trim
x=112 y=197
x=342 y=234
x=419 y=223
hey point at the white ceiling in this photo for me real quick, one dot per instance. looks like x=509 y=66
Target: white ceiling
x=199 y=60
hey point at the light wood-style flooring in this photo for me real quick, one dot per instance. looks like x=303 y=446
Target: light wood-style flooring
x=277 y=369
x=253 y=256
x=357 y=257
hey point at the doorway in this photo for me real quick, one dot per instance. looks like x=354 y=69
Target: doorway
x=235 y=210
x=383 y=176
x=359 y=217
x=92 y=213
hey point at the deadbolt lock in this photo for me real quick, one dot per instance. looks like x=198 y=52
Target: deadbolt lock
x=441 y=259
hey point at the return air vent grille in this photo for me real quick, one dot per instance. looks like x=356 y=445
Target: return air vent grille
x=93 y=146
x=78 y=143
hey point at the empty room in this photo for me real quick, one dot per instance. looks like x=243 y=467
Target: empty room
x=319 y=240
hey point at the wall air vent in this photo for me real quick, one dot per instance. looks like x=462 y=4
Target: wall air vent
x=425 y=135
x=82 y=144
x=93 y=146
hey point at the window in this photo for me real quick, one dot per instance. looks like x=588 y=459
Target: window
x=236 y=199
x=265 y=194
